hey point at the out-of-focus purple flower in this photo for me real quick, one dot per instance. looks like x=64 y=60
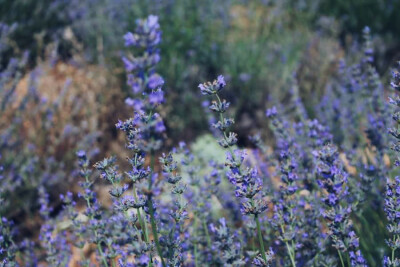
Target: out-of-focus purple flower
x=271 y=112
x=155 y=81
x=147 y=33
x=134 y=83
x=130 y=39
x=246 y=180
x=160 y=127
x=333 y=179
x=129 y=65
x=392 y=205
x=156 y=98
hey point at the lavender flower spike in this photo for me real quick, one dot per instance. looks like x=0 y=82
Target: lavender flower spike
x=246 y=180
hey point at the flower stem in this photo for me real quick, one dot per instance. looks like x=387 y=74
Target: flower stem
x=260 y=238
x=341 y=258
x=394 y=249
x=112 y=260
x=207 y=234
x=141 y=219
x=151 y=210
x=290 y=251
x=101 y=254
x=154 y=230
x=221 y=116
x=291 y=256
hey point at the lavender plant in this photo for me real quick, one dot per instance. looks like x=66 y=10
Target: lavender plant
x=296 y=196
x=55 y=244
x=359 y=105
x=33 y=133
x=356 y=105
x=392 y=186
x=246 y=181
x=296 y=202
x=337 y=211
x=144 y=132
x=286 y=201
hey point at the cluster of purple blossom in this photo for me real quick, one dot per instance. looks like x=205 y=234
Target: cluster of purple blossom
x=299 y=204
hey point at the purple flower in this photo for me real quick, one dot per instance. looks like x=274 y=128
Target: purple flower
x=155 y=81
x=221 y=82
x=213 y=88
x=129 y=65
x=144 y=260
x=130 y=39
x=152 y=22
x=160 y=127
x=271 y=112
x=156 y=98
x=135 y=84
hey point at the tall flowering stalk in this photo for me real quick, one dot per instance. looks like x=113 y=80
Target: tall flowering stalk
x=333 y=179
x=296 y=215
x=113 y=232
x=392 y=209
x=178 y=212
x=92 y=230
x=246 y=181
x=285 y=202
x=310 y=136
x=377 y=118
x=122 y=203
x=392 y=200
x=57 y=249
x=145 y=131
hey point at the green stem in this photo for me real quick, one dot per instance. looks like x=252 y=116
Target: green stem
x=341 y=258
x=394 y=249
x=224 y=132
x=113 y=259
x=207 y=234
x=260 y=238
x=315 y=260
x=292 y=256
x=141 y=219
x=101 y=254
x=290 y=251
x=154 y=230
x=142 y=222
x=151 y=210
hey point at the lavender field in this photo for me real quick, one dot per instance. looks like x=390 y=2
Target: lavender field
x=200 y=133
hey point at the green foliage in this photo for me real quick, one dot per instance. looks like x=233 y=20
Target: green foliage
x=380 y=16
x=38 y=23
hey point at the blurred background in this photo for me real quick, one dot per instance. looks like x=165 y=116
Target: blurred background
x=63 y=85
